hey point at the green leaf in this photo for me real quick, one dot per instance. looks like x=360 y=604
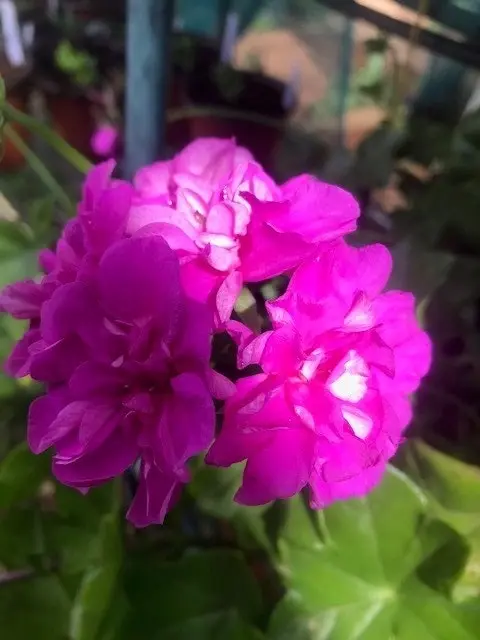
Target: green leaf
x=42 y=220
x=114 y=617
x=12 y=394
x=76 y=63
x=99 y=584
x=374 y=161
x=213 y=626
x=453 y=488
x=163 y=594
x=356 y=566
x=34 y=608
x=40 y=169
x=71 y=155
x=453 y=484
x=373 y=73
x=214 y=489
x=18 y=537
x=425 y=614
x=18 y=252
x=11 y=329
x=470 y=610
x=469 y=129
x=86 y=511
x=79 y=536
x=2 y=91
x=73 y=531
x=20 y=267
x=14 y=237
x=21 y=474
x=426 y=141
x=289 y=621
x=246 y=308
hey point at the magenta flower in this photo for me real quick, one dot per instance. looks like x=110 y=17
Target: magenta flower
x=206 y=162
x=104 y=141
x=139 y=387
x=123 y=352
x=230 y=223
x=102 y=218
x=121 y=323
x=331 y=404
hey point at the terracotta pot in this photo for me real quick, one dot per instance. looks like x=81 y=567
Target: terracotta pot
x=192 y=55
x=13 y=159
x=256 y=95
x=72 y=118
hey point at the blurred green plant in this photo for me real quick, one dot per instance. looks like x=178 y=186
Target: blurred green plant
x=374 y=555
x=377 y=82
x=394 y=565
x=9 y=114
x=77 y=64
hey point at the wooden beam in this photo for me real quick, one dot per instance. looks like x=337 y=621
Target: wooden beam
x=463 y=52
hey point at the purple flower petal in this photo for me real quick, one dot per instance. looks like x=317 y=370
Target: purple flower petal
x=23 y=300
x=139 y=278
x=155 y=495
x=42 y=414
x=109 y=460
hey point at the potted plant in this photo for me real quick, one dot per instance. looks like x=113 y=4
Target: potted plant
x=66 y=73
x=190 y=55
x=17 y=86
x=243 y=104
x=69 y=103
x=210 y=98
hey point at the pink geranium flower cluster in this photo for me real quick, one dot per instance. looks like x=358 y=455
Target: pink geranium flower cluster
x=121 y=325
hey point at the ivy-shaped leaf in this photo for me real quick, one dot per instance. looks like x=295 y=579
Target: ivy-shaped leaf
x=356 y=568
x=453 y=488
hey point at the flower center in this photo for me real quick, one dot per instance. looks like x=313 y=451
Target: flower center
x=219 y=218
x=360 y=317
x=348 y=381
x=311 y=364
x=223 y=225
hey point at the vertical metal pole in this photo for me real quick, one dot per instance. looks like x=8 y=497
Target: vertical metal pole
x=346 y=54
x=149 y=29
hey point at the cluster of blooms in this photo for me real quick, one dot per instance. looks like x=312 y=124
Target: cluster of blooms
x=121 y=325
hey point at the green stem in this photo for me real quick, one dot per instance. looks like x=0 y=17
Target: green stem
x=39 y=167
x=57 y=143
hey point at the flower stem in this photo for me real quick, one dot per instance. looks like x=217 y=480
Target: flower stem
x=71 y=155
x=40 y=169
